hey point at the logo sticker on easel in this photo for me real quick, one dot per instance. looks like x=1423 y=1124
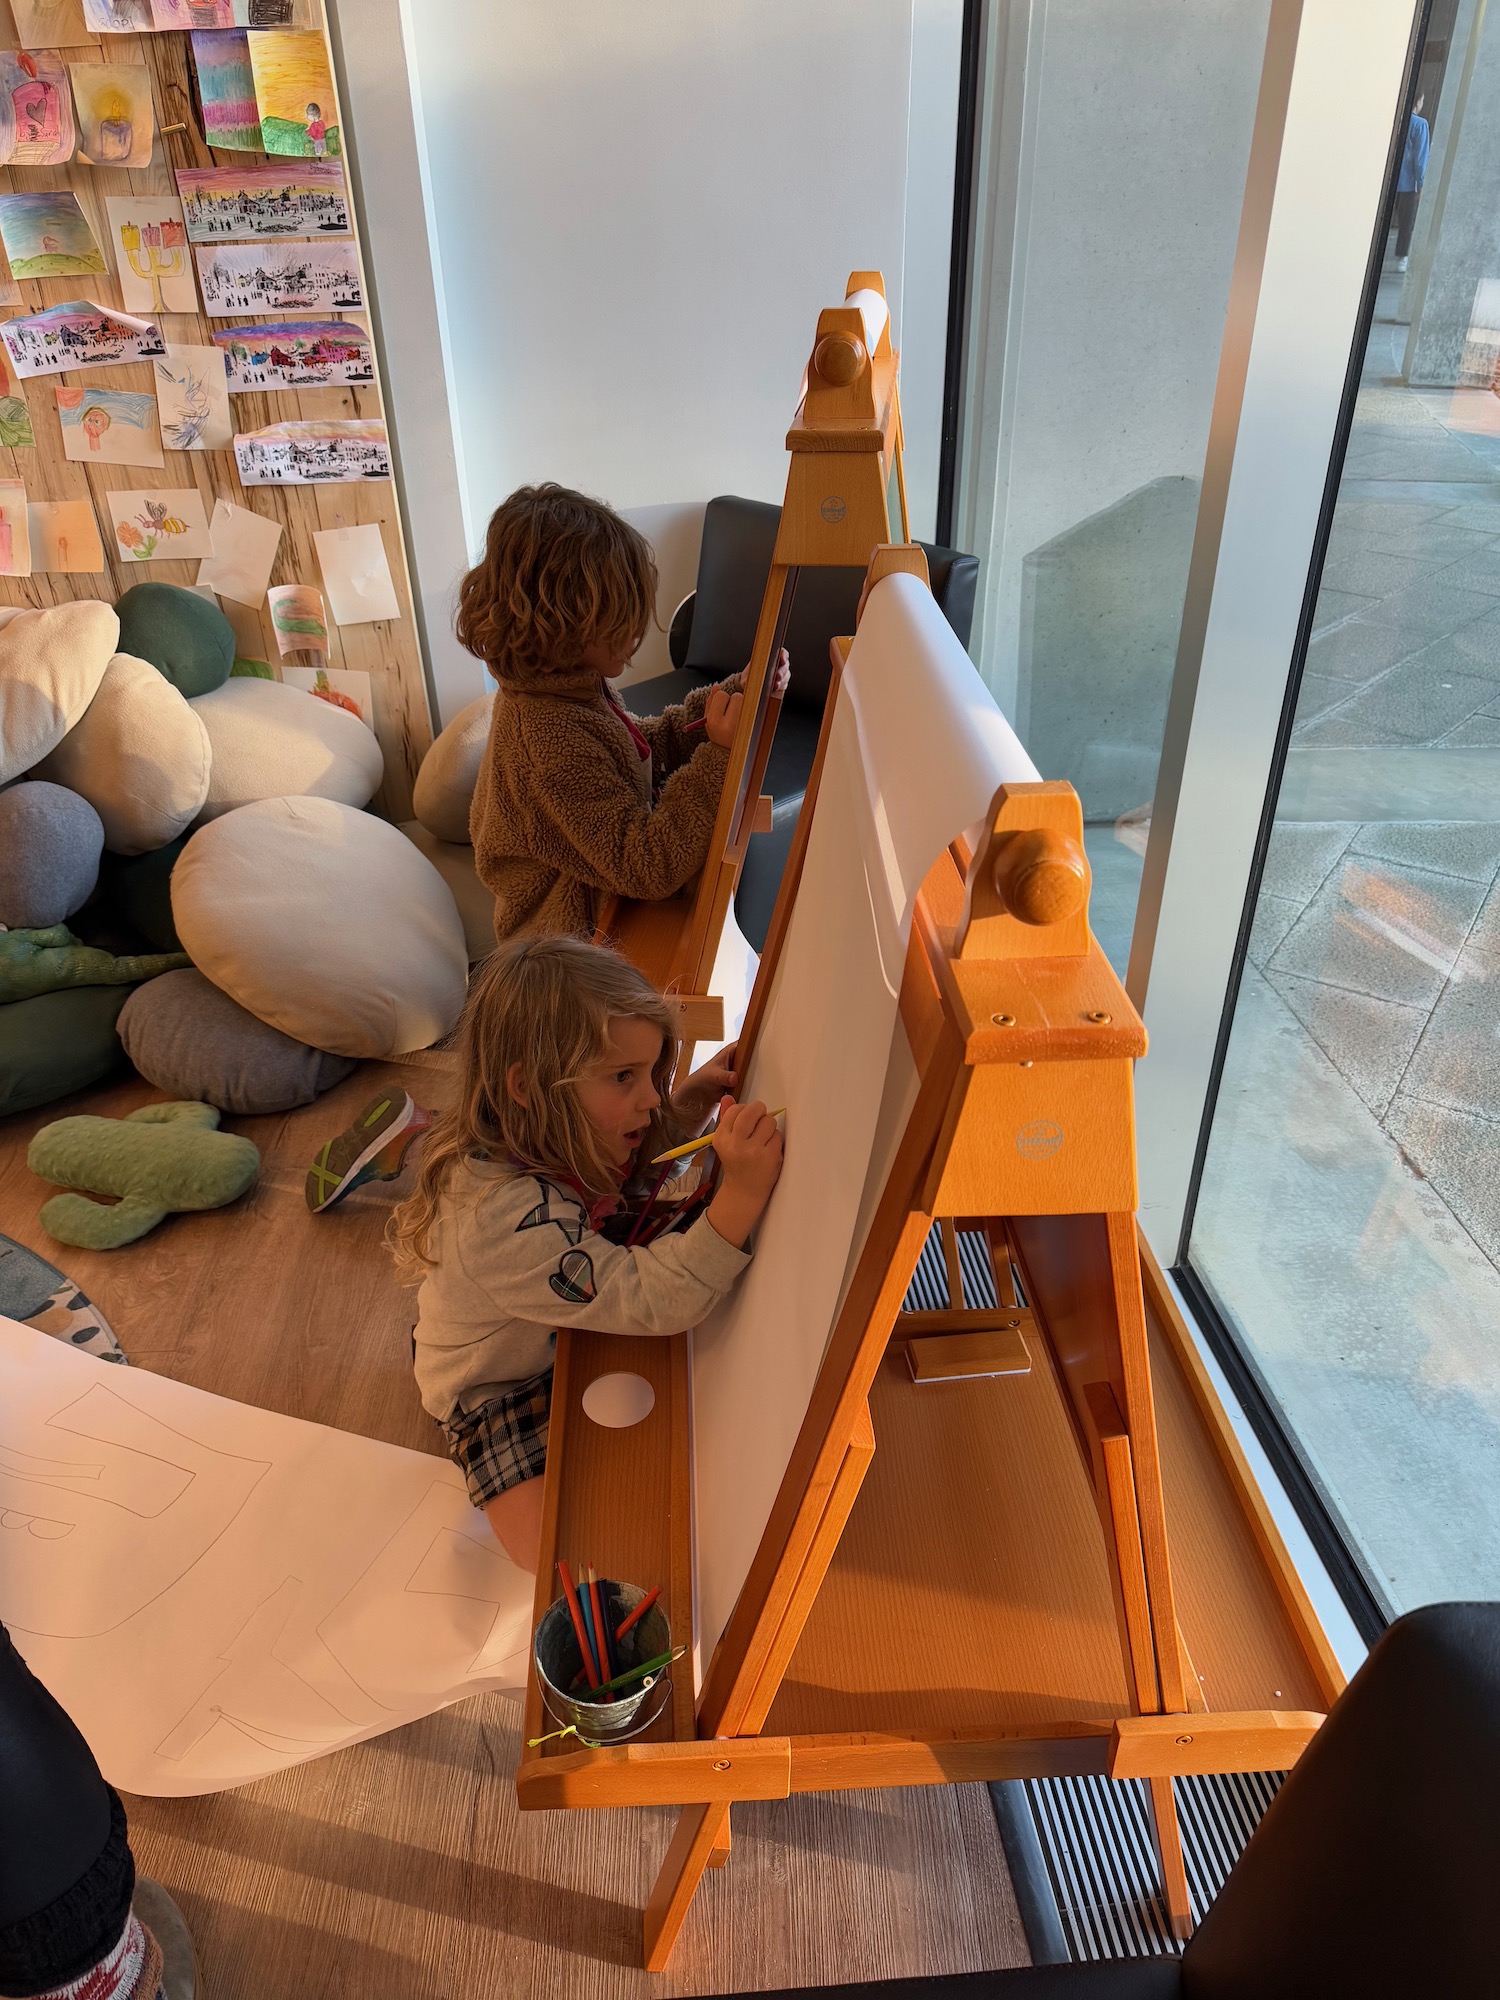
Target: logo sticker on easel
x=1039 y=1141
x=833 y=508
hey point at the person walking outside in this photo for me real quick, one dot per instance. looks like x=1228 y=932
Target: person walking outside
x=1409 y=182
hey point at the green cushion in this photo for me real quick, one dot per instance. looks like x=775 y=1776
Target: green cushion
x=57 y=1043
x=183 y=635
x=137 y=888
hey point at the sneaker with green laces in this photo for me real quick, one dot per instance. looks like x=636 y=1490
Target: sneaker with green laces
x=373 y=1148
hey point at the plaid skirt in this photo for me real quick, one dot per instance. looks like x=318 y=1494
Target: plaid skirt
x=504 y=1441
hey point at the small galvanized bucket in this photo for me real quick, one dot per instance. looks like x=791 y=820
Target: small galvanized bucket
x=559 y=1661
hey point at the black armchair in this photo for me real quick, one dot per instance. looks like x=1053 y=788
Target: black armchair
x=1370 y=1876
x=712 y=634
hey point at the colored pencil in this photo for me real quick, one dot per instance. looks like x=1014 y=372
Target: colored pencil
x=697 y=1145
x=606 y=1653
x=652 y=1666
x=639 y=1612
x=575 y=1612
x=700 y=724
x=596 y=1651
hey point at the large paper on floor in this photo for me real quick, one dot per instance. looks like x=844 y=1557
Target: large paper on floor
x=916 y=752
x=214 y=1592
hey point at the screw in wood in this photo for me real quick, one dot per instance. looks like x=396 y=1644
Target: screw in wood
x=1100 y=1019
x=1003 y=1020
x=721 y=1763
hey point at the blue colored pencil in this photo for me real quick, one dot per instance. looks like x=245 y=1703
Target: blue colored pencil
x=595 y=1651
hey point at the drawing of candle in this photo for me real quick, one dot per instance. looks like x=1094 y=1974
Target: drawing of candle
x=156 y=250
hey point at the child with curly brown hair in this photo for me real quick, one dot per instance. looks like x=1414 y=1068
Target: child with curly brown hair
x=577 y=801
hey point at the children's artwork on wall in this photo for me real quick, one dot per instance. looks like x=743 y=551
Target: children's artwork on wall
x=149 y=239
x=332 y=684
x=244 y=551
x=356 y=574
x=170 y=14
x=15 y=535
x=51 y=24
x=265 y=13
x=10 y=291
x=226 y=89
x=296 y=354
x=64 y=537
x=314 y=452
x=162 y=526
x=78 y=334
x=294 y=91
x=46 y=235
x=298 y=619
x=15 y=418
x=108 y=426
x=217 y=1592
x=36 y=110
x=118 y=17
x=251 y=204
x=193 y=398
x=115 y=124
x=279 y=277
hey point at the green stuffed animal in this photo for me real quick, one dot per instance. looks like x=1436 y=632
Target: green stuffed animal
x=158 y=1160
x=45 y=961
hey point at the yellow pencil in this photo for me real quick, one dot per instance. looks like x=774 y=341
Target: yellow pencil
x=697 y=1145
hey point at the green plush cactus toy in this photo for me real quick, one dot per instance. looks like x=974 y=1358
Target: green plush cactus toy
x=33 y=962
x=158 y=1161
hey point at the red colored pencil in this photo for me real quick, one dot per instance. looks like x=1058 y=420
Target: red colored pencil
x=575 y=1612
x=638 y=1614
x=606 y=1664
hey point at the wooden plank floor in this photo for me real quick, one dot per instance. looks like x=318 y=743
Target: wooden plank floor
x=401 y=1867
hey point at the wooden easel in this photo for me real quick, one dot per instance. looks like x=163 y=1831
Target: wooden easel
x=996 y=1489
x=845 y=444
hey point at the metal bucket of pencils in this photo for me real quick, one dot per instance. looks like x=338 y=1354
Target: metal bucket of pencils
x=604 y=1717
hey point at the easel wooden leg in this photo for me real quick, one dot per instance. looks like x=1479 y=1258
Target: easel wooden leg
x=699 y=1829
x=721 y=1847
x=1168 y=1837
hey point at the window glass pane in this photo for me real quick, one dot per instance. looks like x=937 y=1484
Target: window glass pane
x=1113 y=176
x=1349 y=1216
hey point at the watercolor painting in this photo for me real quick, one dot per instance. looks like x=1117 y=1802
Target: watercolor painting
x=226 y=89
x=149 y=239
x=298 y=618
x=36 y=109
x=296 y=354
x=77 y=334
x=15 y=533
x=64 y=536
x=294 y=92
x=15 y=418
x=115 y=123
x=160 y=526
x=314 y=452
x=193 y=398
x=168 y=14
x=249 y=204
x=117 y=17
x=46 y=235
x=51 y=24
x=279 y=277
x=108 y=426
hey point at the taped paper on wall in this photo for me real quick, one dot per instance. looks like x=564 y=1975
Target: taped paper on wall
x=193 y=396
x=108 y=426
x=149 y=240
x=916 y=752
x=215 y=1593
x=245 y=547
x=64 y=537
x=356 y=575
x=15 y=535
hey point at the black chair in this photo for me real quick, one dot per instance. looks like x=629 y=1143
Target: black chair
x=1370 y=1876
x=713 y=632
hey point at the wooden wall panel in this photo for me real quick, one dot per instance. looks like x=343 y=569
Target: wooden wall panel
x=387 y=650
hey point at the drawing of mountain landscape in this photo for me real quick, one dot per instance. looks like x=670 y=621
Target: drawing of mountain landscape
x=279 y=277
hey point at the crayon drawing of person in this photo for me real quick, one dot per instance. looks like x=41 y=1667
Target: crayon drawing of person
x=94 y=423
x=317 y=132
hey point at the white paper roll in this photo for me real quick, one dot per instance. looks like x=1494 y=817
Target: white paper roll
x=873 y=311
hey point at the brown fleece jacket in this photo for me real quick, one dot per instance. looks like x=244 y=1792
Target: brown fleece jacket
x=562 y=816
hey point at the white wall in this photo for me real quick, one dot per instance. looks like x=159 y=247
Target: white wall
x=639 y=212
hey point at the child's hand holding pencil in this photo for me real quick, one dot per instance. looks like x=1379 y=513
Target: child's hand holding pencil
x=748 y=1144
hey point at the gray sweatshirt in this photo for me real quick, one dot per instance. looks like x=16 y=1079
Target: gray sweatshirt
x=514 y=1258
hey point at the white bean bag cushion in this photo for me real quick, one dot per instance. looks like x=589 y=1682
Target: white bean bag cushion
x=324 y=922
x=450 y=770
x=51 y=664
x=140 y=757
x=476 y=904
x=270 y=741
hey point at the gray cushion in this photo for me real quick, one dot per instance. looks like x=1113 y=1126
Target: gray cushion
x=192 y=1041
x=50 y=843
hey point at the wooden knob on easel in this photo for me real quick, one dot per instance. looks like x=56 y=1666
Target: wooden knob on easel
x=838 y=358
x=1041 y=877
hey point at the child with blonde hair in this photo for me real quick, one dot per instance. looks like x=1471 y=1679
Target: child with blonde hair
x=566 y=1054
x=578 y=801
